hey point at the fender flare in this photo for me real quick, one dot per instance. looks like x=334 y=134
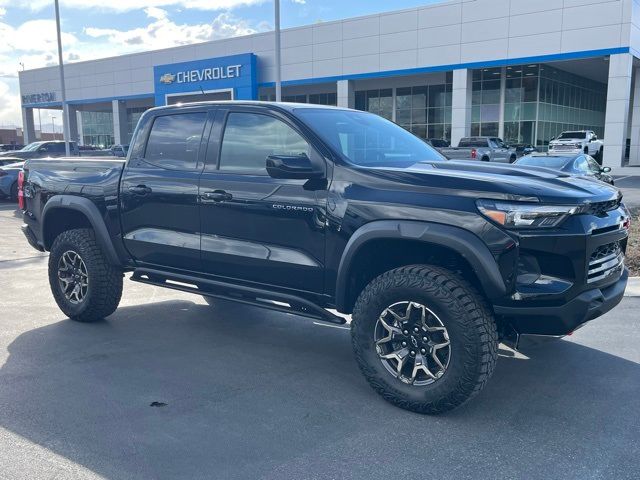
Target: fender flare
x=465 y=243
x=91 y=212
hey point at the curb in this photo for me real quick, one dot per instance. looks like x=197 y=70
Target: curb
x=633 y=287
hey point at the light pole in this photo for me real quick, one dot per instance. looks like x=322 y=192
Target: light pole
x=65 y=108
x=53 y=122
x=278 y=74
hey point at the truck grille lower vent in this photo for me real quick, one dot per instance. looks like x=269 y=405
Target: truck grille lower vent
x=604 y=261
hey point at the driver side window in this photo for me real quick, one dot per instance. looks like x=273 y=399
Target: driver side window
x=249 y=138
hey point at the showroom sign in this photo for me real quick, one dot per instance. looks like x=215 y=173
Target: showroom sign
x=45 y=97
x=211 y=73
x=235 y=73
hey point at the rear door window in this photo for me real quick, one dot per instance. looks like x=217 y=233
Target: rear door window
x=174 y=140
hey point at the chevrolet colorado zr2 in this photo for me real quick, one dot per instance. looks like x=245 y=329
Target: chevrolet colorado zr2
x=310 y=209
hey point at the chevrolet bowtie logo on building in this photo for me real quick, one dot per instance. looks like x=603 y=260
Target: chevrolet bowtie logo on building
x=167 y=78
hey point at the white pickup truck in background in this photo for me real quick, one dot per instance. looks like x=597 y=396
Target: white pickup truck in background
x=574 y=142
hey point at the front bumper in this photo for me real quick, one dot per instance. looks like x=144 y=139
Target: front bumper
x=564 y=319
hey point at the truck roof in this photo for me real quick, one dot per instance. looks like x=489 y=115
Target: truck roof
x=281 y=105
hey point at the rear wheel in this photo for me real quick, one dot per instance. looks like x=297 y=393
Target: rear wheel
x=512 y=158
x=424 y=338
x=484 y=159
x=84 y=284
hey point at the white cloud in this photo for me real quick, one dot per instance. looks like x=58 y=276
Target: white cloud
x=128 y=5
x=163 y=33
x=9 y=105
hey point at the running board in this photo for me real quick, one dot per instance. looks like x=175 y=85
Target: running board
x=281 y=302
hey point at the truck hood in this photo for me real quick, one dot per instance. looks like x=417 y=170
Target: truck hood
x=502 y=181
x=569 y=141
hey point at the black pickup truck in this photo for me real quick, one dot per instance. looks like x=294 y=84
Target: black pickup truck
x=308 y=209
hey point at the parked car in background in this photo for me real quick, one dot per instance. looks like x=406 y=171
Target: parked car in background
x=524 y=149
x=8 y=160
x=486 y=149
x=120 y=150
x=574 y=142
x=581 y=165
x=438 y=142
x=53 y=148
x=7 y=147
x=9 y=180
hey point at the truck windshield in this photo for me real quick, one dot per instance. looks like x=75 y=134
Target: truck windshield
x=571 y=135
x=548 y=162
x=367 y=140
x=32 y=147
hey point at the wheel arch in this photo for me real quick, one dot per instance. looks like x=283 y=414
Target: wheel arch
x=449 y=243
x=66 y=212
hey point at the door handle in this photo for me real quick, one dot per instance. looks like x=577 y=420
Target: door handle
x=140 y=190
x=216 y=196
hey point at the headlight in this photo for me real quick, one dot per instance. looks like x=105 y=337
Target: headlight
x=578 y=145
x=551 y=146
x=525 y=215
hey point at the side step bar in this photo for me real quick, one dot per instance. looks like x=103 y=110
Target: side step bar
x=281 y=302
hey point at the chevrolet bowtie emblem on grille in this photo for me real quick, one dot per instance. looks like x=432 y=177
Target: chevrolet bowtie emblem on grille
x=167 y=78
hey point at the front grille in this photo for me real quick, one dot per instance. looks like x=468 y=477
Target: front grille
x=606 y=260
x=564 y=147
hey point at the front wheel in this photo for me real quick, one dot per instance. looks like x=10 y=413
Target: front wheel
x=84 y=284
x=424 y=338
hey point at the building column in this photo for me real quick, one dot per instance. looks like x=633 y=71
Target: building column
x=634 y=152
x=503 y=95
x=346 y=94
x=73 y=124
x=120 y=133
x=461 y=105
x=617 y=116
x=28 y=126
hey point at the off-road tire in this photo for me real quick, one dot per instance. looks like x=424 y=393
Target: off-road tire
x=462 y=310
x=485 y=159
x=105 y=280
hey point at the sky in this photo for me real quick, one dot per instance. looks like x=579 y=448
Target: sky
x=96 y=29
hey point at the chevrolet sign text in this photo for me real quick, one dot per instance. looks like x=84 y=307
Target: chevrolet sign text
x=204 y=74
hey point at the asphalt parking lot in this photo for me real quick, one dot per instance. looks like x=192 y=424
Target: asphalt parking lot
x=247 y=393
x=630 y=186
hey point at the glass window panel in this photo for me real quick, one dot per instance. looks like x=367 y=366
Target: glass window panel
x=490 y=129
x=512 y=112
x=419 y=130
x=403 y=97
x=475 y=129
x=174 y=141
x=475 y=113
x=437 y=96
x=513 y=92
x=419 y=115
x=529 y=111
x=436 y=115
x=490 y=113
x=530 y=89
x=361 y=101
x=419 y=97
x=403 y=117
x=436 y=131
x=249 y=138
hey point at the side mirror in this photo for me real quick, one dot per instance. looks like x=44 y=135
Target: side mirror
x=291 y=166
x=605 y=169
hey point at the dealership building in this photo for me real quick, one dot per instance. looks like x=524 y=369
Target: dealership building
x=520 y=70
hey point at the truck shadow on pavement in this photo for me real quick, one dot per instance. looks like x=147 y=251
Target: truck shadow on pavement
x=246 y=393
